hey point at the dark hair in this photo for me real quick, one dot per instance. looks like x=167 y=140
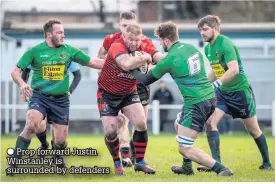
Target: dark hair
x=48 y=26
x=211 y=20
x=167 y=30
x=127 y=15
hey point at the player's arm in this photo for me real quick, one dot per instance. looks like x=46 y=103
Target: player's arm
x=162 y=67
x=76 y=81
x=96 y=63
x=25 y=89
x=25 y=74
x=211 y=76
x=157 y=57
x=232 y=64
x=85 y=60
x=75 y=69
x=102 y=53
x=127 y=62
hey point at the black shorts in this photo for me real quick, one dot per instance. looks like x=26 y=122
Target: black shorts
x=239 y=104
x=110 y=104
x=144 y=94
x=195 y=116
x=55 y=108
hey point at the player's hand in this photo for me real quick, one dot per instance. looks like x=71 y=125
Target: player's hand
x=25 y=92
x=147 y=57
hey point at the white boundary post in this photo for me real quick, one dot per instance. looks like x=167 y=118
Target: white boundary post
x=155 y=117
x=7 y=110
x=273 y=118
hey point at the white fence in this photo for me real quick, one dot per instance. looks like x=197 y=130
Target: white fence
x=155 y=107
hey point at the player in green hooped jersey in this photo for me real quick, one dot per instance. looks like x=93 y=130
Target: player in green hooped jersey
x=233 y=91
x=185 y=64
x=49 y=91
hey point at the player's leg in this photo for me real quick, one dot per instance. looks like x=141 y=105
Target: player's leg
x=251 y=125
x=42 y=135
x=185 y=139
x=188 y=125
x=53 y=136
x=34 y=116
x=60 y=141
x=212 y=132
x=250 y=122
x=133 y=110
x=186 y=167
x=58 y=116
x=33 y=119
x=123 y=132
x=109 y=107
x=144 y=95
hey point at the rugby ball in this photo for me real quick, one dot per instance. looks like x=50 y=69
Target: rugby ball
x=144 y=68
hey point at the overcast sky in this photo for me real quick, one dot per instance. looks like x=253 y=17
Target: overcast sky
x=67 y=5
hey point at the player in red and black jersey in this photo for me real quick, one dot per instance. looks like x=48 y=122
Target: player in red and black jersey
x=128 y=18
x=117 y=91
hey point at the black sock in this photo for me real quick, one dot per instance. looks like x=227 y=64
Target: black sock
x=140 y=140
x=42 y=138
x=214 y=144
x=262 y=145
x=125 y=152
x=113 y=147
x=22 y=143
x=218 y=167
x=52 y=144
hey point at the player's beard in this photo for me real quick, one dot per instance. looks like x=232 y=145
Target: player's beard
x=165 y=48
x=210 y=38
x=56 y=42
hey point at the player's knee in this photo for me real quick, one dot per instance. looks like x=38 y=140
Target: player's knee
x=60 y=145
x=141 y=126
x=254 y=132
x=121 y=120
x=185 y=151
x=111 y=135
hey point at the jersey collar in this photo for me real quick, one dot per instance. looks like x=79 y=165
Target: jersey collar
x=176 y=44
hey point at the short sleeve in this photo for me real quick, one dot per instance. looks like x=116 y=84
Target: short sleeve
x=228 y=49
x=25 y=60
x=107 y=42
x=117 y=49
x=81 y=58
x=73 y=67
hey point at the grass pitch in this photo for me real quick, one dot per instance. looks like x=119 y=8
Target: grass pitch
x=239 y=152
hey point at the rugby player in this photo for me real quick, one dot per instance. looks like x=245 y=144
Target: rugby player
x=185 y=64
x=117 y=91
x=128 y=18
x=48 y=95
x=233 y=91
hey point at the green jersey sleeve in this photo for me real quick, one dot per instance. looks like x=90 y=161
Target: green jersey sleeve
x=25 y=60
x=81 y=58
x=163 y=66
x=228 y=50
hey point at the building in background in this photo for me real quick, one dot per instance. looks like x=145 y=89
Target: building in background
x=84 y=28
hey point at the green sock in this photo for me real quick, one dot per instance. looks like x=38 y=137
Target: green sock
x=218 y=167
x=214 y=144
x=262 y=145
x=22 y=143
x=186 y=162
